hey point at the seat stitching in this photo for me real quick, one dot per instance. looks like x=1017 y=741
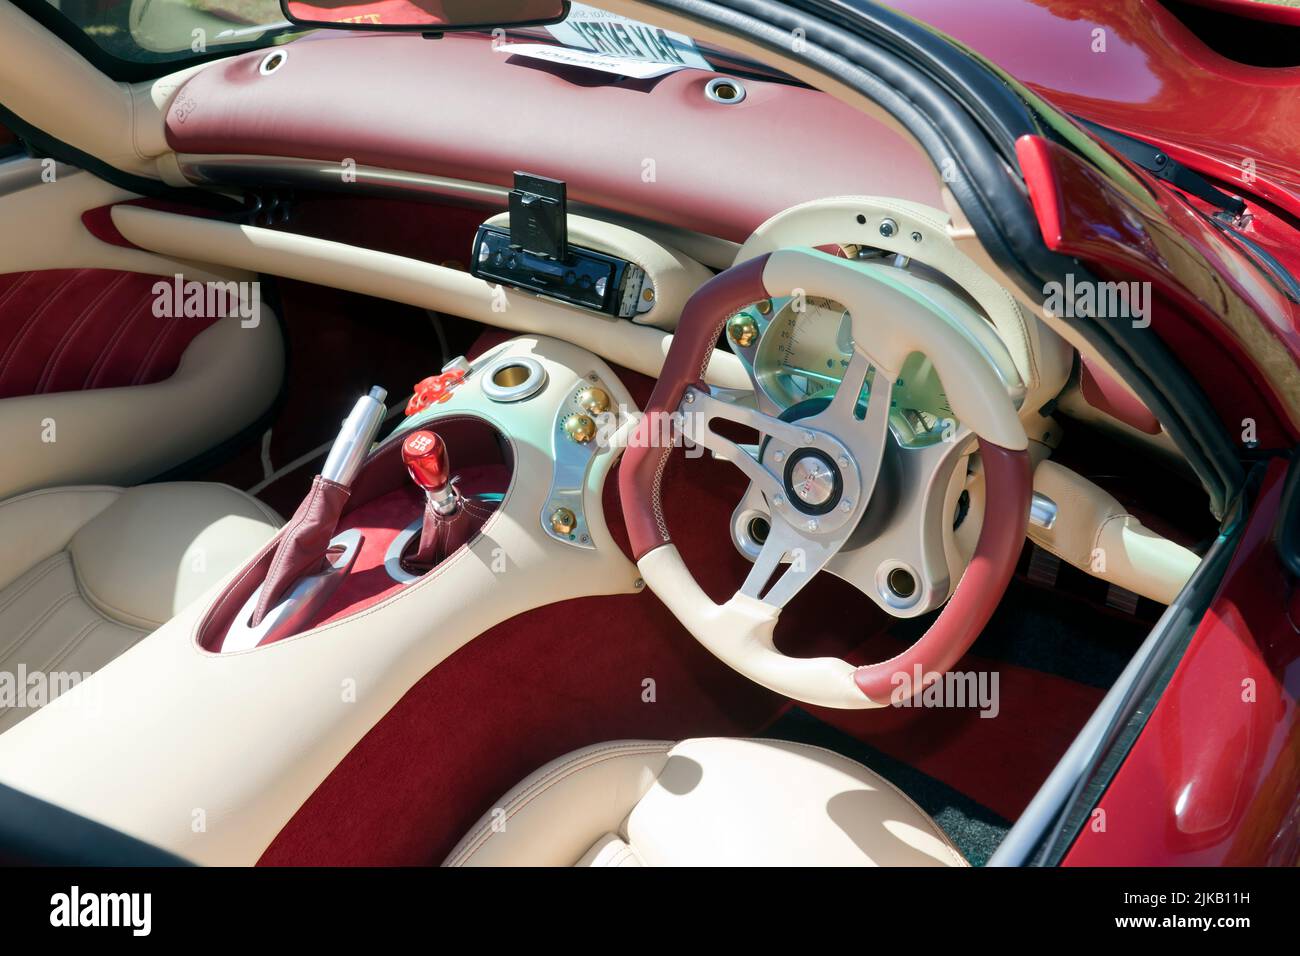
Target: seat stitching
x=77 y=639
x=13 y=289
x=35 y=626
x=154 y=349
x=60 y=491
x=46 y=566
x=934 y=827
x=581 y=761
x=93 y=375
x=53 y=360
x=622 y=854
x=26 y=327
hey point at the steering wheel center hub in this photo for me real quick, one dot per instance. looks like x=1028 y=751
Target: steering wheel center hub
x=813 y=481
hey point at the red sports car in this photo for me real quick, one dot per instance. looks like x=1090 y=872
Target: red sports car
x=676 y=432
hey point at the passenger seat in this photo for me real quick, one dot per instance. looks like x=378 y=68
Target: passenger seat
x=87 y=572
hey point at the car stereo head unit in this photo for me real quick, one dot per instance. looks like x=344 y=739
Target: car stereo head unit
x=535 y=254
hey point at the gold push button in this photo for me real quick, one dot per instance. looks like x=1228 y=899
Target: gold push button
x=593 y=400
x=580 y=428
x=563 y=521
x=742 y=329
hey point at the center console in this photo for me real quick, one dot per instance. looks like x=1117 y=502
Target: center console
x=531 y=430
x=378 y=520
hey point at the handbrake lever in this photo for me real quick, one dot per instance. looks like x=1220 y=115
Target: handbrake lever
x=309 y=561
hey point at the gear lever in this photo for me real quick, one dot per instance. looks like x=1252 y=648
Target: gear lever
x=446 y=521
x=425 y=455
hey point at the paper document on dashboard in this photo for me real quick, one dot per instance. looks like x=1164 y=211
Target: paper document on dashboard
x=636 y=69
x=603 y=32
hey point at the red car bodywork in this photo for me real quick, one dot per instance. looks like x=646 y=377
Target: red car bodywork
x=1214 y=776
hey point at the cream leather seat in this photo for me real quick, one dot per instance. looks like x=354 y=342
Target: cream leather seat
x=86 y=572
x=707 y=802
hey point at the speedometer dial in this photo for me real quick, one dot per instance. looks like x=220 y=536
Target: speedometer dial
x=804 y=353
x=806 y=348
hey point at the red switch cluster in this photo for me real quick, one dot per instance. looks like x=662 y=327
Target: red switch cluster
x=434 y=389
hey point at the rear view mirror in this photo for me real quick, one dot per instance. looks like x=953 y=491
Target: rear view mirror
x=423 y=16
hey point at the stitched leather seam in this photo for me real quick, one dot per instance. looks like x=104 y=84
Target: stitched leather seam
x=585 y=760
x=92 y=377
x=622 y=853
x=656 y=489
x=108 y=609
x=13 y=289
x=46 y=566
x=228 y=595
x=147 y=359
x=77 y=639
x=31 y=322
x=309 y=512
x=50 y=363
x=656 y=495
x=36 y=625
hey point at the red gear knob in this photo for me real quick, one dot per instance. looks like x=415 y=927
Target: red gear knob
x=425 y=457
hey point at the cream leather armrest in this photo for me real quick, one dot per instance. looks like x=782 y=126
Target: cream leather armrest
x=1094 y=533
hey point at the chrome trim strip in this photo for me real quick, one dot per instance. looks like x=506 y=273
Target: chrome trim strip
x=19 y=172
x=224 y=169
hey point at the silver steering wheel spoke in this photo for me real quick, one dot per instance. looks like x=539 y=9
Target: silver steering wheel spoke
x=816 y=475
x=803 y=556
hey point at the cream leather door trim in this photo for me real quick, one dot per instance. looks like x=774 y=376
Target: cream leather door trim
x=1096 y=534
x=227 y=377
x=43 y=230
x=386 y=276
x=209 y=755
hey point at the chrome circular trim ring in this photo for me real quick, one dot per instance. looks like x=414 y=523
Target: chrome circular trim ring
x=888 y=594
x=272 y=62
x=533 y=383
x=717 y=83
x=740 y=536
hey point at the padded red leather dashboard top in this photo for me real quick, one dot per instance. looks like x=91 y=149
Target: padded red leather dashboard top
x=454 y=107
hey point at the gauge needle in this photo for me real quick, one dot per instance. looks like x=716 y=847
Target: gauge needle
x=819 y=376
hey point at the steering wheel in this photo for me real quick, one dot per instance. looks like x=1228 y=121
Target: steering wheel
x=818 y=474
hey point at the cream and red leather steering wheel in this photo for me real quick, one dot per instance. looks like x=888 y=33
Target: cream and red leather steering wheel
x=841 y=450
